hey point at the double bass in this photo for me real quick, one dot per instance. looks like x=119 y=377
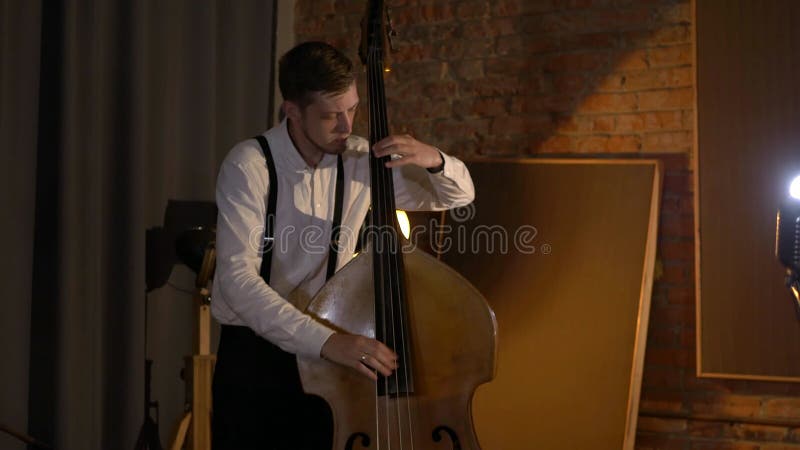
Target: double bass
x=440 y=326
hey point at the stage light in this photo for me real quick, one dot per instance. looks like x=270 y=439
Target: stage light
x=794 y=188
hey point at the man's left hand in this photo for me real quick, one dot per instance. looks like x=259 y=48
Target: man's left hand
x=411 y=151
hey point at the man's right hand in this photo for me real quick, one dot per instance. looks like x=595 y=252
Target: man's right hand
x=361 y=353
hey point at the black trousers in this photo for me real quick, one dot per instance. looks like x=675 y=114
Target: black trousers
x=258 y=399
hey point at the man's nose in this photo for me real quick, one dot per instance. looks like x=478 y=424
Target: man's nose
x=344 y=124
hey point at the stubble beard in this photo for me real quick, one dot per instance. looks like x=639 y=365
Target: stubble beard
x=317 y=146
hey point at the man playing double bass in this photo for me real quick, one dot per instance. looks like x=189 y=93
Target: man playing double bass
x=280 y=195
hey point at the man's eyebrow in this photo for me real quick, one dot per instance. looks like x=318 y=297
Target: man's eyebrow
x=337 y=111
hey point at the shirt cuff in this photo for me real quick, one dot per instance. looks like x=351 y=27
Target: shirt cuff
x=315 y=339
x=440 y=167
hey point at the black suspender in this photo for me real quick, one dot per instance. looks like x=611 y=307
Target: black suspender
x=272 y=206
x=336 y=227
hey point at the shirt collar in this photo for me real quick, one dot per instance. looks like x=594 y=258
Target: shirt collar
x=289 y=153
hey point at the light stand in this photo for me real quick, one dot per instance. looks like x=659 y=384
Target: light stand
x=196 y=422
x=787 y=241
x=188 y=237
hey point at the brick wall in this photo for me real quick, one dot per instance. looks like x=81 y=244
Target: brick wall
x=575 y=78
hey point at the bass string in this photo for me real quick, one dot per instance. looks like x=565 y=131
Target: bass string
x=378 y=263
x=390 y=264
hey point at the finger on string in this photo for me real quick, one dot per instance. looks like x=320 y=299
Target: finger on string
x=400 y=162
x=377 y=364
x=366 y=371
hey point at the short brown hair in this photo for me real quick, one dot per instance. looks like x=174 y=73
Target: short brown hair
x=313 y=67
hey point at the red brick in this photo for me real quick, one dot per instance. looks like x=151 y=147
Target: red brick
x=317 y=25
x=663 y=120
x=584 y=41
x=663 y=401
x=665 y=35
x=675 y=274
x=707 y=429
x=502 y=8
x=520 y=7
x=674 y=315
x=672 y=141
x=676 y=55
x=666 y=99
x=317 y=8
x=732 y=405
x=485 y=106
x=676 y=226
x=471 y=69
x=660 y=425
x=557 y=144
x=678 y=295
x=581 y=4
x=779 y=447
x=467 y=127
x=439 y=90
x=521 y=124
x=592 y=144
x=418 y=108
x=499 y=145
x=644 y=441
x=508 y=66
x=624 y=144
x=630 y=60
x=675 y=13
x=677 y=183
x=488 y=27
x=556 y=23
x=568 y=83
x=661 y=337
x=428 y=13
x=472 y=9
x=576 y=62
x=348 y=6
x=492 y=86
x=571 y=124
x=677 y=251
x=752 y=432
x=656 y=377
x=629 y=122
x=603 y=124
x=688 y=337
x=525 y=45
x=545 y=103
x=608 y=103
x=688 y=119
x=411 y=52
x=782 y=408
x=649 y=79
x=617 y=18
x=723 y=445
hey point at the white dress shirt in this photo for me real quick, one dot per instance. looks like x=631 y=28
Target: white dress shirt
x=303 y=220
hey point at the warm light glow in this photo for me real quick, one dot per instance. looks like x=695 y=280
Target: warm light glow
x=794 y=188
x=387 y=69
x=405 y=225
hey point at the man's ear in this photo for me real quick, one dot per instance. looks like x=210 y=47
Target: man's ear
x=291 y=109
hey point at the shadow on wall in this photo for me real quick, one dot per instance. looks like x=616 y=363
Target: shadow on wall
x=530 y=77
